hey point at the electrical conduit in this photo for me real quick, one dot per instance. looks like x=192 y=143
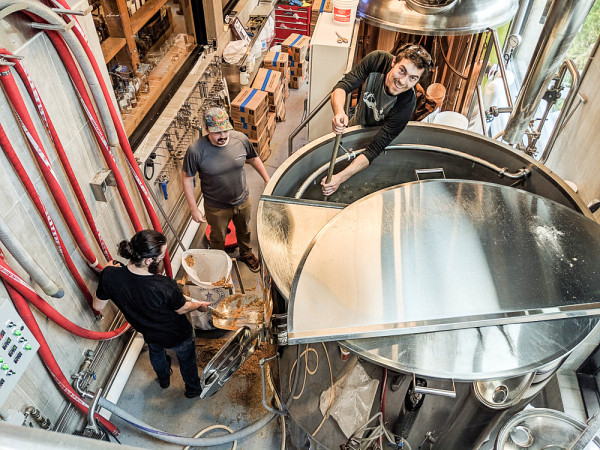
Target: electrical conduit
x=43 y=113
x=49 y=361
x=14 y=96
x=22 y=174
x=12 y=279
x=27 y=262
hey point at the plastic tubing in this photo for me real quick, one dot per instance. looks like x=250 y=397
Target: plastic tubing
x=23 y=257
x=13 y=280
x=43 y=113
x=49 y=360
x=14 y=96
x=180 y=440
x=116 y=122
x=22 y=174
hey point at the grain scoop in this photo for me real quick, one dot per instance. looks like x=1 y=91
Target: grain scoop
x=239 y=310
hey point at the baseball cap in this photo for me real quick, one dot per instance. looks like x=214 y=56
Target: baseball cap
x=217 y=120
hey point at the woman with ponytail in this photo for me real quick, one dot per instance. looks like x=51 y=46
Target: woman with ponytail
x=154 y=306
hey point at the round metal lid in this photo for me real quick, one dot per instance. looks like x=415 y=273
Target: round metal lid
x=456 y=18
x=444 y=255
x=541 y=429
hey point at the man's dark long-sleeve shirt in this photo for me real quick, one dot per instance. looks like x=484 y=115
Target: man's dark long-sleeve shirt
x=376 y=106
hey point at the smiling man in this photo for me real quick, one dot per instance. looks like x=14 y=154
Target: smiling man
x=388 y=99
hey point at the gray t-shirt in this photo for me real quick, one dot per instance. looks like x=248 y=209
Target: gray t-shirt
x=221 y=169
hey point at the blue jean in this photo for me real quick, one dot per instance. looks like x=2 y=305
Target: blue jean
x=186 y=354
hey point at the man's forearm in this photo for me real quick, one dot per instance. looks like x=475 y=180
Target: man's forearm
x=338 y=101
x=188 y=190
x=258 y=165
x=361 y=162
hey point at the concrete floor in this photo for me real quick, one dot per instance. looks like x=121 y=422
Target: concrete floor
x=237 y=404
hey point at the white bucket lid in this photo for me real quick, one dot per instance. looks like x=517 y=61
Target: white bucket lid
x=452 y=119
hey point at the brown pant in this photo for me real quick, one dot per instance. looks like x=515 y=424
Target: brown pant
x=218 y=219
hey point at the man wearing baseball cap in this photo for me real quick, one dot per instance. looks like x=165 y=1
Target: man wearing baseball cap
x=219 y=160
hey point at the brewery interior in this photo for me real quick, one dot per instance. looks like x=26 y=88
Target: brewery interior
x=446 y=297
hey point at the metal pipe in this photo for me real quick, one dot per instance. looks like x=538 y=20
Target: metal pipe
x=562 y=24
x=501 y=65
x=167 y=220
x=501 y=171
x=481 y=108
x=575 y=80
x=320 y=170
x=305 y=121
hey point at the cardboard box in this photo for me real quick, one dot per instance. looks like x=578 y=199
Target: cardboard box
x=252 y=131
x=296 y=82
x=277 y=97
x=249 y=106
x=261 y=141
x=265 y=152
x=296 y=45
x=280 y=112
x=269 y=81
x=276 y=60
x=298 y=70
x=270 y=125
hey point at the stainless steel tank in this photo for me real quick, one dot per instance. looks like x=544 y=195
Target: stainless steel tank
x=474 y=377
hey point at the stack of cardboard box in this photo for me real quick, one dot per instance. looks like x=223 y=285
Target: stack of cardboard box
x=296 y=45
x=269 y=80
x=318 y=7
x=281 y=62
x=249 y=115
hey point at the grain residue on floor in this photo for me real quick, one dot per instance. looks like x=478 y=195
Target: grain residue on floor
x=244 y=388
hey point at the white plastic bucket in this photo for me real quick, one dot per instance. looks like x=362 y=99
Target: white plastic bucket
x=452 y=119
x=207 y=267
x=210 y=271
x=344 y=11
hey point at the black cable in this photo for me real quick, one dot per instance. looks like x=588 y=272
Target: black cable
x=106 y=432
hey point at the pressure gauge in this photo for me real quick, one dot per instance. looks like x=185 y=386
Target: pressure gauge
x=513 y=42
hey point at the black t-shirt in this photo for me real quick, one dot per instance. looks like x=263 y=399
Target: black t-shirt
x=377 y=107
x=148 y=302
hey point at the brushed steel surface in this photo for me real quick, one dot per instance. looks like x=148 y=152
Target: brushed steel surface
x=444 y=255
x=563 y=22
x=468 y=354
x=287 y=228
x=463 y=17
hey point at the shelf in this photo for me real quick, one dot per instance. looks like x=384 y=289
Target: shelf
x=158 y=80
x=111 y=46
x=143 y=15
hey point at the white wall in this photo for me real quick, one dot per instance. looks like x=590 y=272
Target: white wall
x=41 y=61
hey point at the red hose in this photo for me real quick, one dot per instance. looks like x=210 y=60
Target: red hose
x=17 y=283
x=15 y=98
x=49 y=360
x=22 y=174
x=35 y=97
x=137 y=175
x=86 y=102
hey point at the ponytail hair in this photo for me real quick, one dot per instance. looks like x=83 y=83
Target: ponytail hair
x=144 y=244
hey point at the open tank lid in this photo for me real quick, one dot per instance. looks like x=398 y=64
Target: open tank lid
x=450 y=18
x=444 y=255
